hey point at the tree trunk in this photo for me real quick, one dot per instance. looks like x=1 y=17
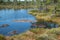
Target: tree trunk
x=25 y=3
x=15 y=2
x=8 y=0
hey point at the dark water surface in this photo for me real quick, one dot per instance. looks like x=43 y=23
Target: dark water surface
x=7 y=17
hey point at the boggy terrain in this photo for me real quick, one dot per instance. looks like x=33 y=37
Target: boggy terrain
x=36 y=34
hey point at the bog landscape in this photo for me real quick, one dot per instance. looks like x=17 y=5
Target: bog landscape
x=29 y=19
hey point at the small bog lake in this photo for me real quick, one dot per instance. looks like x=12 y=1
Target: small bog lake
x=9 y=27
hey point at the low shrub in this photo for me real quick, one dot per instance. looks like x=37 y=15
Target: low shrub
x=54 y=31
x=2 y=37
x=46 y=37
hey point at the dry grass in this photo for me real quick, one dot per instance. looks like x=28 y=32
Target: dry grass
x=39 y=34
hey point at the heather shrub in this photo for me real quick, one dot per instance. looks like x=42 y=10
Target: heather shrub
x=54 y=31
x=46 y=37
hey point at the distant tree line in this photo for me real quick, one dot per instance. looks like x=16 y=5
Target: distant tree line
x=38 y=3
x=35 y=2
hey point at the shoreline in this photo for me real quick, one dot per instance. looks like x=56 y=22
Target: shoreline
x=15 y=7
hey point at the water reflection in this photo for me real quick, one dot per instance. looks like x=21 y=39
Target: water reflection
x=4 y=25
x=45 y=24
x=13 y=32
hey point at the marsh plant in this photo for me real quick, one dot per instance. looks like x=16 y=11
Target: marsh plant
x=46 y=37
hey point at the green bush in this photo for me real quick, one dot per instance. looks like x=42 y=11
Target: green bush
x=38 y=30
x=46 y=37
x=34 y=11
x=2 y=37
x=54 y=31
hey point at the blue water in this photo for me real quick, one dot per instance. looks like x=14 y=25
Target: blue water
x=7 y=17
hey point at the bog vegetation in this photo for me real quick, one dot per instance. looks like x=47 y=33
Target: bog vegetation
x=48 y=10
x=36 y=34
